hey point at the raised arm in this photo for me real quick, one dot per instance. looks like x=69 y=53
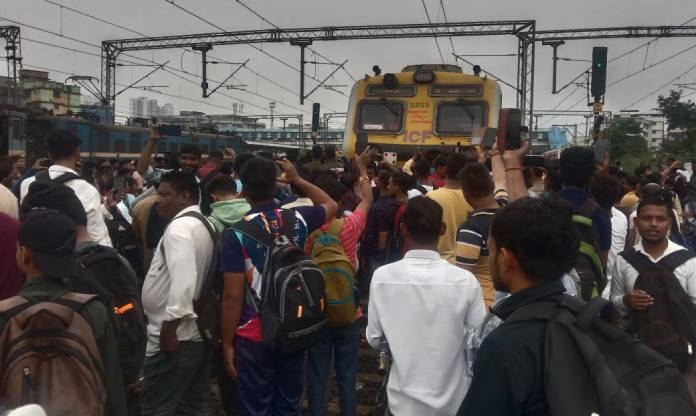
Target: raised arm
x=148 y=150
x=313 y=192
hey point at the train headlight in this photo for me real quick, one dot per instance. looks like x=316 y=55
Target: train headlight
x=390 y=80
x=424 y=77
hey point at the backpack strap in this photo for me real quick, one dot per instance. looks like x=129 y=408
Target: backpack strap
x=637 y=260
x=14 y=305
x=422 y=189
x=254 y=232
x=335 y=227
x=45 y=177
x=588 y=208
x=204 y=220
x=676 y=259
x=75 y=301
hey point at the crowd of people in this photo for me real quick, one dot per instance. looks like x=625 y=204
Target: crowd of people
x=446 y=264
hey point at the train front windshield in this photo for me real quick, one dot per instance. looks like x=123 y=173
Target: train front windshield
x=381 y=116
x=460 y=117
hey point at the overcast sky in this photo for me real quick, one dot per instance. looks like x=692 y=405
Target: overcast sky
x=159 y=17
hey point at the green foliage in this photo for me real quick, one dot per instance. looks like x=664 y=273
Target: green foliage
x=627 y=142
x=680 y=115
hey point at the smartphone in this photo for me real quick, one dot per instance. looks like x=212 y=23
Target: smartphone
x=360 y=143
x=509 y=126
x=489 y=138
x=46 y=163
x=170 y=130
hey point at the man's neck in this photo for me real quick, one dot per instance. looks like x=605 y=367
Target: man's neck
x=655 y=248
x=487 y=202
x=400 y=197
x=452 y=184
x=415 y=246
x=70 y=164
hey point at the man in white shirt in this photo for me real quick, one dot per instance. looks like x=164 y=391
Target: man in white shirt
x=64 y=150
x=176 y=367
x=423 y=309
x=8 y=201
x=653 y=222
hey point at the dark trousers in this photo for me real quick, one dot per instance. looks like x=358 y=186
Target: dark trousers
x=177 y=383
x=341 y=345
x=270 y=384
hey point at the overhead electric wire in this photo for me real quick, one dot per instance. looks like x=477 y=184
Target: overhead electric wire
x=659 y=89
x=279 y=101
x=250 y=45
x=444 y=15
x=97 y=18
x=257 y=14
x=616 y=58
x=427 y=15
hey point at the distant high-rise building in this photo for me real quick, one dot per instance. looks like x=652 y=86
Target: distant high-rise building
x=167 y=110
x=147 y=107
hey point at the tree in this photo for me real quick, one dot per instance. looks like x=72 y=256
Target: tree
x=680 y=115
x=627 y=144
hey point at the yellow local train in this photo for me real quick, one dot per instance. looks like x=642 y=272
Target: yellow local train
x=420 y=108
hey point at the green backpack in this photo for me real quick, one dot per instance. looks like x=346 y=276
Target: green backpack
x=328 y=254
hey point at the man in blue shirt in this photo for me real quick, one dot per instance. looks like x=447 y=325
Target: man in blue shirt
x=269 y=383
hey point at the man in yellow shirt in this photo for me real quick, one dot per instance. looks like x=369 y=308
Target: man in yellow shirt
x=455 y=209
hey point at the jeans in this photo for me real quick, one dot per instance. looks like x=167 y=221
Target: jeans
x=341 y=344
x=270 y=384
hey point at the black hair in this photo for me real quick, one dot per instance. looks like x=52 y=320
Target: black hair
x=605 y=190
x=5 y=169
x=439 y=161
x=403 y=180
x=335 y=189
x=330 y=152
x=52 y=196
x=384 y=175
x=654 y=177
x=577 y=166
x=455 y=164
x=476 y=181
x=241 y=159
x=317 y=152
x=62 y=144
x=632 y=181
x=191 y=149
x=431 y=155
x=267 y=155
x=421 y=168
x=226 y=167
x=423 y=220
x=553 y=180
x=348 y=179
x=640 y=170
x=258 y=176
x=182 y=182
x=215 y=155
x=223 y=185
x=664 y=199
x=540 y=233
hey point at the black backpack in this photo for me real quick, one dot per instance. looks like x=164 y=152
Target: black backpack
x=44 y=177
x=208 y=303
x=109 y=276
x=588 y=265
x=592 y=367
x=125 y=242
x=293 y=306
x=669 y=325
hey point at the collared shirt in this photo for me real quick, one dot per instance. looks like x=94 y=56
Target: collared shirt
x=90 y=198
x=624 y=275
x=619 y=229
x=424 y=309
x=95 y=313
x=8 y=202
x=174 y=280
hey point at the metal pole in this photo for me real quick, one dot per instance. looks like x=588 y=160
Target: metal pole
x=302 y=74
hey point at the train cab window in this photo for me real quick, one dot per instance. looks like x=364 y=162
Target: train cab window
x=459 y=117
x=381 y=116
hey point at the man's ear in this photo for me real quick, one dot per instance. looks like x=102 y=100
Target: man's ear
x=508 y=261
x=443 y=229
x=403 y=230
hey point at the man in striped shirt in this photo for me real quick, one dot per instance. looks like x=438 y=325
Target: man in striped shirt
x=471 y=249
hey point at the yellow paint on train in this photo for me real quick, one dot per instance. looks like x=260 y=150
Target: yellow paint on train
x=420 y=108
